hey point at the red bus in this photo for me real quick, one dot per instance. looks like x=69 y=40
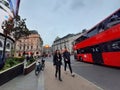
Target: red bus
x=101 y=44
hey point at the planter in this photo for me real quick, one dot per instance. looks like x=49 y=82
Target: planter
x=29 y=68
x=11 y=73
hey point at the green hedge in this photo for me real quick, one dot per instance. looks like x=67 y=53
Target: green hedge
x=11 y=62
x=31 y=60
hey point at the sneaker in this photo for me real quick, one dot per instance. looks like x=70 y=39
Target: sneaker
x=60 y=79
x=72 y=74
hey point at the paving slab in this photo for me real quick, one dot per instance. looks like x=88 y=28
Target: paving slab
x=68 y=83
x=25 y=82
x=46 y=80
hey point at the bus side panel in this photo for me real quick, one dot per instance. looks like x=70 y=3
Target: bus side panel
x=108 y=35
x=112 y=58
x=79 y=57
x=87 y=58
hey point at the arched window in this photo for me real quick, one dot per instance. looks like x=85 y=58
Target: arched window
x=8 y=45
x=1 y=44
x=37 y=52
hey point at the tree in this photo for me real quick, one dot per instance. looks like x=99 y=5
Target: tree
x=20 y=30
x=15 y=26
x=84 y=30
x=7 y=27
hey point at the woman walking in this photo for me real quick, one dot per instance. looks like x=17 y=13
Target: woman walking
x=57 y=62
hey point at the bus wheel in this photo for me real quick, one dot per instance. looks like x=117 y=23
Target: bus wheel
x=81 y=59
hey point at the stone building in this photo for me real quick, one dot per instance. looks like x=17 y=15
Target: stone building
x=9 y=45
x=30 y=45
x=5 y=14
x=47 y=50
x=65 y=42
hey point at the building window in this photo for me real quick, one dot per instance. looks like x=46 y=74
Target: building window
x=37 y=52
x=20 y=47
x=8 y=46
x=27 y=47
x=0 y=44
x=19 y=54
x=31 y=47
x=24 y=47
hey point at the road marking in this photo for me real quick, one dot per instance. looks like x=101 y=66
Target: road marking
x=41 y=81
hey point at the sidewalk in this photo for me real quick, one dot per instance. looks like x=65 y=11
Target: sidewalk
x=68 y=83
x=25 y=82
x=46 y=81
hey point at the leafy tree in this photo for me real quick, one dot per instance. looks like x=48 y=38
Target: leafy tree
x=84 y=30
x=20 y=30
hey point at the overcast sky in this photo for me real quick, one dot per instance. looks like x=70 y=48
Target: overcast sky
x=52 y=18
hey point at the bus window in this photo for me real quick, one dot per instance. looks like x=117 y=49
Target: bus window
x=93 y=32
x=102 y=27
x=80 y=39
x=83 y=38
x=115 y=19
x=115 y=46
x=78 y=51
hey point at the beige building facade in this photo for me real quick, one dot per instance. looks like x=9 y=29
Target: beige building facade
x=65 y=42
x=30 y=45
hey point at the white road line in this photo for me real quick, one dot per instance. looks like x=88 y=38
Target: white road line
x=41 y=81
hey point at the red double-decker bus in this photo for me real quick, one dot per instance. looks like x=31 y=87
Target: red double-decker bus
x=101 y=44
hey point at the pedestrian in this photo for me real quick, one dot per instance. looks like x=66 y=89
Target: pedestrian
x=43 y=63
x=57 y=61
x=67 y=60
x=25 y=63
x=38 y=67
x=27 y=57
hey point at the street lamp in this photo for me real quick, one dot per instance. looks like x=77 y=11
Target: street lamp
x=15 y=25
x=7 y=26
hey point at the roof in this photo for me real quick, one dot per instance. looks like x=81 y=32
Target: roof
x=69 y=35
x=33 y=32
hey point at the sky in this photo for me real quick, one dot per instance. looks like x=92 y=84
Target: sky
x=52 y=18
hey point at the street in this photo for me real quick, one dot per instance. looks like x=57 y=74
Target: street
x=88 y=30
x=86 y=76
x=103 y=76
x=47 y=81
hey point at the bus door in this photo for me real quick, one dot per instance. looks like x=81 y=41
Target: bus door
x=97 y=55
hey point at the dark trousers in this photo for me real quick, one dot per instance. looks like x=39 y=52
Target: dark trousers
x=69 y=64
x=58 y=70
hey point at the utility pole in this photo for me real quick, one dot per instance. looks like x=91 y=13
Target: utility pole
x=7 y=27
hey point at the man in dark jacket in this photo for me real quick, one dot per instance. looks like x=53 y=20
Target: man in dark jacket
x=57 y=62
x=66 y=56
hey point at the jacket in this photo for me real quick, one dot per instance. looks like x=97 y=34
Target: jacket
x=57 y=59
x=66 y=55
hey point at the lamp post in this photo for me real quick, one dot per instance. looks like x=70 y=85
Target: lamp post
x=7 y=27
